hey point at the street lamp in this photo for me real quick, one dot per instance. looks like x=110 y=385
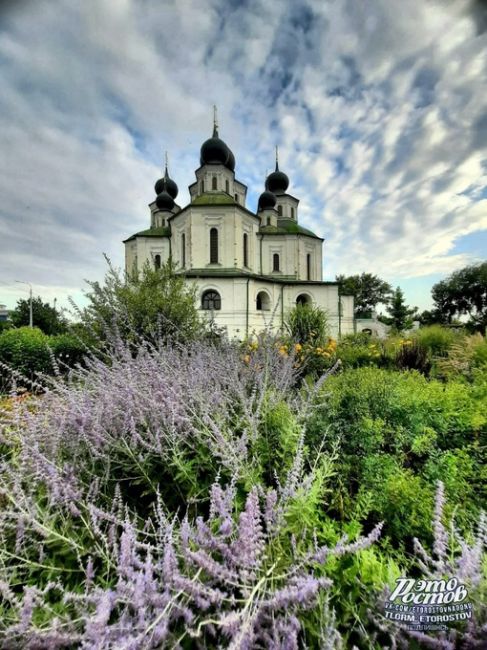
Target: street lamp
x=31 y=318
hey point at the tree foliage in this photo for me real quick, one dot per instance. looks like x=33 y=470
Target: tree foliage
x=46 y=318
x=368 y=290
x=400 y=315
x=156 y=304
x=464 y=293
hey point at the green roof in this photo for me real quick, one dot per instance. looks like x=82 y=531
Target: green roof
x=215 y=198
x=151 y=232
x=287 y=227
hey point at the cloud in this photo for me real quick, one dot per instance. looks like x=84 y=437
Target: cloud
x=377 y=108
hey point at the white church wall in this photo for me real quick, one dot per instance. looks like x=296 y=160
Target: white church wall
x=148 y=247
x=233 y=314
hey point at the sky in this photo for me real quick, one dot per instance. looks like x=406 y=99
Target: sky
x=379 y=109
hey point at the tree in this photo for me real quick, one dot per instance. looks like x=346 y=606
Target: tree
x=368 y=291
x=46 y=318
x=400 y=315
x=155 y=304
x=431 y=317
x=464 y=293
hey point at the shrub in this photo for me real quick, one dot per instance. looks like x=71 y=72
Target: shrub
x=379 y=414
x=412 y=355
x=26 y=351
x=357 y=350
x=452 y=556
x=120 y=530
x=465 y=358
x=153 y=305
x=307 y=325
x=68 y=350
x=435 y=339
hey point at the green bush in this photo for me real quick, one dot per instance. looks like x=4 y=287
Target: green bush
x=436 y=340
x=307 y=324
x=68 y=350
x=358 y=350
x=393 y=428
x=26 y=350
x=155 y=304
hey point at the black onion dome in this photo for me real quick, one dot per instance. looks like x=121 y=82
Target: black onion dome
x=159 y=186
x=164 y=201
x=214 y=151
x=172 y=188
x=277 y=182
x=166 y=184
x=267 y=200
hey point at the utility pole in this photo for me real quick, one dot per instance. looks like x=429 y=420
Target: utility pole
x=31 y=315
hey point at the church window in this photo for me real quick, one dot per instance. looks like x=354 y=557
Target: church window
x=213 y=246
x=236 y=198
x=279 y=210
x=211 y=300
x=308 y=266
x=303 y=299
x=227 y=187
x=157 y=261
x=263 y=302
x=245 y=250
x=202 y=185
x=268 y=221
x=213 y=183
x=275 y=262
x=292 y=213
x=183 y=250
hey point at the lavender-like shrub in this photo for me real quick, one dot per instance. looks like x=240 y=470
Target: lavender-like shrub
x=168 y=418
x=452 y=556
x=233 y=578
x=134 y=509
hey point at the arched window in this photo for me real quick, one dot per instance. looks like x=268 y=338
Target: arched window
x=183 y=249
x=245 y=250
x=292 y=213
x=263 y=302
x=202 y=185
x=275 y=262
x=157 y=261
x=213 y=246
x=236 y=198
x=279 y=210
x=227 y=187
x=211 y=300
x=213 y=183
x=303 y=299
x=308 y=266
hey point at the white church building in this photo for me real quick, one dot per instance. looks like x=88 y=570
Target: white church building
x=250 y=268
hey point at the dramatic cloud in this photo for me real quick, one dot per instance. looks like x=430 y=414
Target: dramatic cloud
x=378 y=109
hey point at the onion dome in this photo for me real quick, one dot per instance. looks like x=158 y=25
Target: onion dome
x=267 y=200
x=164 y=201
x=215 y=152
x=166 y=184
x=277 y=182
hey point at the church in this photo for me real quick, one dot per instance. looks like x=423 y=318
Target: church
x=250 y=268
